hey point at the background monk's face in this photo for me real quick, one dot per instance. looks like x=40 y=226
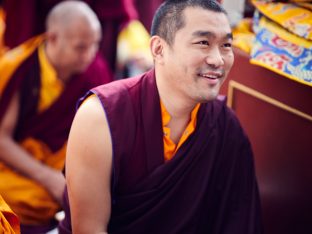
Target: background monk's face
x=77 y=46
x=201 y=55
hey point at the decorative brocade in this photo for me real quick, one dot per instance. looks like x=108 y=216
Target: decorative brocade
x=283 y=40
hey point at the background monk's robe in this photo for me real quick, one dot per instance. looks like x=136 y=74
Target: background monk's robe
x=43 y=124
x=9 y=223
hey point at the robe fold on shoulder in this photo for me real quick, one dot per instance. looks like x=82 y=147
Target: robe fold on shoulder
x=42 y=133
x=208 y=187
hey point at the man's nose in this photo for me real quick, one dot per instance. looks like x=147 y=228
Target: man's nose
x=215 y=58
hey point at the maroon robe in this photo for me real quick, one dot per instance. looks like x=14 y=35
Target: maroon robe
x=52 y=125
x=146 y=11
x=208 y=187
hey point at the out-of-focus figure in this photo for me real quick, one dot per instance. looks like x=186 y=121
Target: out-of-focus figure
x=41 y=81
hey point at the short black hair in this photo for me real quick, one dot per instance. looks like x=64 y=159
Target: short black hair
x=169 y=18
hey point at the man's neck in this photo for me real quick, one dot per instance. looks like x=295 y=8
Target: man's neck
x=178 y=108
x=63 y=75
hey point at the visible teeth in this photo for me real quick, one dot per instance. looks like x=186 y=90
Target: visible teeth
x=210 y=76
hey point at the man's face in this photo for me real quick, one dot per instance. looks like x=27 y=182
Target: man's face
x=77 y=47
x=201 y=56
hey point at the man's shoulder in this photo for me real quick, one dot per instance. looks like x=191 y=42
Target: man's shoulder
x=222 y=115
x=120 y=87
x=218 y=108
x=230 y=124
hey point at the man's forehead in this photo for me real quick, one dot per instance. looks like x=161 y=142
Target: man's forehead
x=210 y=34
x=192 y=11
x=206 y=22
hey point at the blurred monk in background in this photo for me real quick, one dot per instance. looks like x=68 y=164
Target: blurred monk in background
x=41 y=81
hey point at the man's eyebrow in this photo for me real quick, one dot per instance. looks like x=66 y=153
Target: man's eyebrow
x=210 y=34
x=203 y=34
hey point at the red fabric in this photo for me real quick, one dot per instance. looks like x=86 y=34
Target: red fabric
x=146 y=11
x=15 y=13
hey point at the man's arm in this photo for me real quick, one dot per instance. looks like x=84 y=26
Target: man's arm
x=88 y=169
x=20 y=160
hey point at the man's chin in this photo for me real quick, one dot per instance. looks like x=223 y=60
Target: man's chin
x=211 y=96
x=81 y=69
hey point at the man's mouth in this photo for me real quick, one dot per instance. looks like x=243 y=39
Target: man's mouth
x=211 y=75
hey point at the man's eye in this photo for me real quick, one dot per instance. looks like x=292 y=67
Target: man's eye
x=227 y=45
x=203 y=43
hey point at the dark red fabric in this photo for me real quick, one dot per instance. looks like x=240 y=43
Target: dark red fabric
x=208 y=187
x=21 y=15
x=28 y=229
x=146 y=11
x=52 y=125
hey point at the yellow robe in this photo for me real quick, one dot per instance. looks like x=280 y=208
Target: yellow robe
x=33 y=204
x=9 y=223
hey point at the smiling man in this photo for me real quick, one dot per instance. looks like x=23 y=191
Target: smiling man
x=159 y=153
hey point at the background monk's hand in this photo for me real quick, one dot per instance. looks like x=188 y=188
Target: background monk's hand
x=54 y=182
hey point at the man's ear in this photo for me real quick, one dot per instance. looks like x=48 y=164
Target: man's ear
x=51 y=36
x=157 y=48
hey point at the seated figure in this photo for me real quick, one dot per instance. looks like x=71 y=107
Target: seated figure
x=41 y=81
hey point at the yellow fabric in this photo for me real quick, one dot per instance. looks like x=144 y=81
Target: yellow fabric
x=22 y=193
x=243 y=35
x=170 y=148
x=10 y=61
x=51 y=86
x=9 y=223
x=3 y=49
x=297 y=20
x=287 y=36
x=284 y=34
x=133 y=40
